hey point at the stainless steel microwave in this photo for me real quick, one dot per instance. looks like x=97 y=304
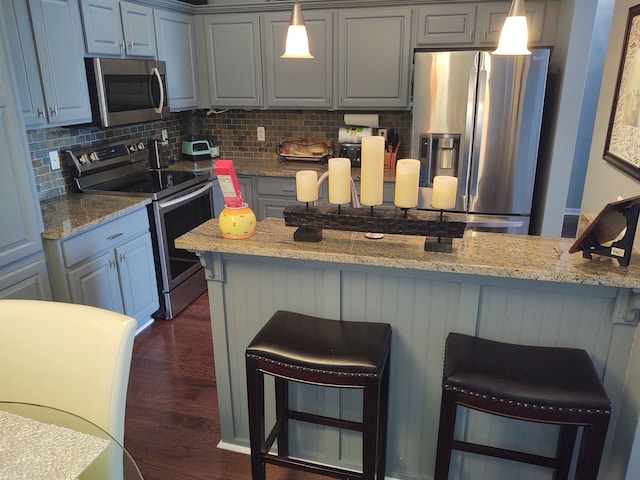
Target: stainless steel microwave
x=124 y=91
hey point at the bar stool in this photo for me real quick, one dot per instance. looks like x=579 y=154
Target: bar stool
x=327 y=353
x=539 y=384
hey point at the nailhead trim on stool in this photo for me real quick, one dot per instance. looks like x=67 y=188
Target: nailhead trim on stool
x=327 y=353
x=552 y=385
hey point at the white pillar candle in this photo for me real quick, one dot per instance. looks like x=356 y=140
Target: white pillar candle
x=372 y=171
x=307 y=186
x=339 y=180
x=407 y=180
x=444 y=192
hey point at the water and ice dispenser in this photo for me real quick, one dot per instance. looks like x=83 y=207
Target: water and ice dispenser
x=439 y=155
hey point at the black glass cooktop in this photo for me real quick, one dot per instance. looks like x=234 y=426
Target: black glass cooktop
x=151 y=183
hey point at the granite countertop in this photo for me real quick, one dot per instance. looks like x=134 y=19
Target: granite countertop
x=477 y=253
x=74 y=213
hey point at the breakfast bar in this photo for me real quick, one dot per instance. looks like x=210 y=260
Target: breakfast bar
x=517 y=289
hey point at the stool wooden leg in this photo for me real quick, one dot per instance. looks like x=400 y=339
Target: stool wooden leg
x=282 y=408
x=564 y=453
x=383 y=415
x=446 y=430
x=255 y=397
x=370 y=420
x=591 y=447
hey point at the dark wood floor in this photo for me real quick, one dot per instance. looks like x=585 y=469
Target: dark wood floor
x=172 y=425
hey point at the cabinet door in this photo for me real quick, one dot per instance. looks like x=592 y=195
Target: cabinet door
x=138 y=277
x=23 y=273
x=446 y=24
x=234 y=60
x=96 y=283
x=274 y=194
x=373 y=67
x=299 y=82
x=541 y=24
x=176 y=41
x=58 y=34
x=25 y=63
x=138 y=30
x=102 y=27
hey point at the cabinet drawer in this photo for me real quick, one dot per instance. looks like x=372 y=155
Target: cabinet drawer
x=104 y=237
x=282 y=187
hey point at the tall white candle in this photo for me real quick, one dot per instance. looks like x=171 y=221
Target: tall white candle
x=339 y=180
x=407 y=180
x=307 y=186
x=372 y=171
x=444 y=192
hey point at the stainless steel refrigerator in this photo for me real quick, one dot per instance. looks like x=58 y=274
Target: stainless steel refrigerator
x=477 y=116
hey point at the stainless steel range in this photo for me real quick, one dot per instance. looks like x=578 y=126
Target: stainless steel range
x=181 y=200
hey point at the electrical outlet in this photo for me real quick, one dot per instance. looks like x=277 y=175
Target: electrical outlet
x=261 y=134
x=165 y=137
x=382 y=132
x=54 y=160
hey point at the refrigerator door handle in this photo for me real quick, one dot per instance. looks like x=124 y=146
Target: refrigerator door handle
x=467 y=140
x=476 y=156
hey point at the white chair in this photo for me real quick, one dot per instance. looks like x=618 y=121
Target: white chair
x=72 y=357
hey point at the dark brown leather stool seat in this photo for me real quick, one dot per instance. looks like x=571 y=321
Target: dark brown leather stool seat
x=540 y=384
x=322 y=352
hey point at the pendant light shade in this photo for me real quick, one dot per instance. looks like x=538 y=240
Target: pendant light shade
x=297 y=42
x=515 y=35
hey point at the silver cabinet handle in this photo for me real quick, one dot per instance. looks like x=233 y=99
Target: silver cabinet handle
x=112 y=264
x=122 y=44
x=40 y=112
x=53 y=111
x=123 y=257
x=115 y=235
x=130 y=46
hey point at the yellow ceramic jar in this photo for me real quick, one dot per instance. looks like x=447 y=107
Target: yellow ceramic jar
x=237 y=223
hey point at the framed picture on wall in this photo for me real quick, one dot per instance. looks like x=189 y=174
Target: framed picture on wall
x=622 y=146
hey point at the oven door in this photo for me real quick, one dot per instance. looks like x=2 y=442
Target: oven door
x=126 y=91
x=175 y=216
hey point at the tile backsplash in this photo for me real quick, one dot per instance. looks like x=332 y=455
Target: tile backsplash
x=233 y=131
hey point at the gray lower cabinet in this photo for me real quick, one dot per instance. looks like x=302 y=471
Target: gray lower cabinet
x=23 y=271
x=110 y=266
x=274 y=194
x=176 y=42
x=374 y=57
x=47 y=50
x=299 y=82
x=118 y=28
x=234 y=60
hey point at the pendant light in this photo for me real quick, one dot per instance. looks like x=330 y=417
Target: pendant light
x=515 y=35
x=297 y=43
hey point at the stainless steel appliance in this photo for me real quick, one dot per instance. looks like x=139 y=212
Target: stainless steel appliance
x=180 y=202
x=477 y=116
x=126 y=91
x=352 y=151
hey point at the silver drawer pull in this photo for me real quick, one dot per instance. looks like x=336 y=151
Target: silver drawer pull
x=112 y=264
x=115 y=235
x=123 y=258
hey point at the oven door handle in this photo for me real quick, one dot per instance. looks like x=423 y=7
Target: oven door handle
x=155 y=72
x=186 y=198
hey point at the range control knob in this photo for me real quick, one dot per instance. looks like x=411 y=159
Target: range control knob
x=133 y=148
x=93 y=156
x=141 y=146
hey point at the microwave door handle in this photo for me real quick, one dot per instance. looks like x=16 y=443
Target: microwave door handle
x=155 y=72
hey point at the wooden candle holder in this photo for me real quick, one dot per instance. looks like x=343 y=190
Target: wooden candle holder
x=310 y=221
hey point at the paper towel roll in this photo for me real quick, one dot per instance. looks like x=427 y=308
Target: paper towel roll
x=353 y=134
x=361 y=120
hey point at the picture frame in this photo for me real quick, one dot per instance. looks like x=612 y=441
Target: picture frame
x=622 y=145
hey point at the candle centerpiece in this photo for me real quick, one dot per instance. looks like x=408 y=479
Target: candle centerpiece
x=310 y=220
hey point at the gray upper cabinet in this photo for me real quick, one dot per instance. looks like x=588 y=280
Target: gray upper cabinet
x=176 y=42
x=118 y=28
x=57 y=30
x=298 y=83
x=446 y=24
x=23 y=271
x=374 y=58
x=542 y=20
x=234 y=60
